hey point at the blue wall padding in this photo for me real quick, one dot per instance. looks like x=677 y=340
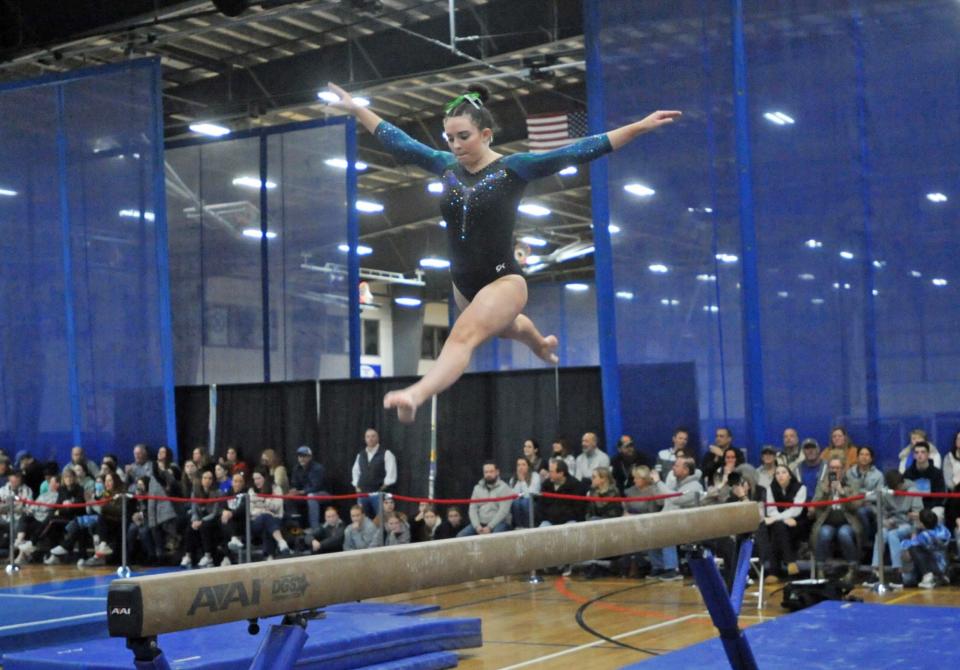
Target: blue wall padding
x=834 y=634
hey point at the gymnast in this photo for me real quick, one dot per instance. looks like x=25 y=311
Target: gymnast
x=481 y=192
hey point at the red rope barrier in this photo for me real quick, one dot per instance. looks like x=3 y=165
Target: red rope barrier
x=918 y=494
x=92 y=503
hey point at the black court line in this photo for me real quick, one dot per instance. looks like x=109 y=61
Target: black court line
x=583 y=624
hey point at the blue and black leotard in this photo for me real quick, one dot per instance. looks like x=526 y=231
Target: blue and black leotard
x=481 y=208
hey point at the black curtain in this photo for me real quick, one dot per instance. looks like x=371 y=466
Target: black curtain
x=254 y=417
x=193 y=419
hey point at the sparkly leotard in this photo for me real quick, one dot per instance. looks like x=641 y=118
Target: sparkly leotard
x=481 y=208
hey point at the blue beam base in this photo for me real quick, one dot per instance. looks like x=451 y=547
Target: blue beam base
x=281 y=648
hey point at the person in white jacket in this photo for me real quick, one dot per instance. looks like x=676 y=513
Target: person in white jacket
x=780 y=525
x=266 y=514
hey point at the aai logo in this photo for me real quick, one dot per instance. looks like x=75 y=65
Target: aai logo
x=220 y=597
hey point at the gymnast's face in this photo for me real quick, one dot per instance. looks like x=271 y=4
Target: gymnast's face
x=467 y=142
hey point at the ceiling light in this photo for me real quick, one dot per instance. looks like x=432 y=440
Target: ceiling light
x=328 y=96
x=706 y=277
x=936 y=197
x=533 y=259
x=7 y=192
x=625 y=295
x=806 y=276
x=575 y=252
x=711 y=308
x=135 y=214
x=639 y=190
x=876 y=291
x=435 y=187
x=533 y=210
x=669 y=302
x=914 y=273
x=658 y=268
x=778 y=118
x=369 y=207
x=939 y=281
x=576 y=287
x=442 y=223
x=836 y=284
x=362 y=250
x=708 y=210
x=434 y=263
x=210 y=129
x=341 y=163
x=613 y=228
x=408 y=302
x=783 y=294
x=361 y=101
x=816 y=301
x=727 y=258
x=258 y=234
x=533 y=241
x=566 y=172
x=848 y=255
x=534 y=268
x=879 y=264
x=813 y=244
x=252 y=182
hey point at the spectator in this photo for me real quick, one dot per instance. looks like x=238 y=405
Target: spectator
x=729 y=462
x=278 y=470
x=425 y=524
x=867 y=479
x=489 y=517
x=841 y=447
x=906 y=454
x=31 y=471
x=559 y=449
x=951 y=480
x=590 y=459
x=233 y=517
x=162 y=515
x=374 y=472
x=450 y=526
x=621 y=465
x=667 y=457
x=643 y=487
x=222 y=472
x=665 y=561
x=74 y=531
x=234 y=462
x=713 y=459
x=166 y=469
x=781 y=525
x=398 y=531
x=900 y=513
x=5 y=468
x=927 y=477
x=142 y=466
x=309 y=479
x=531 y=451
x=329 y=538
x=603 y=486
x=928 y=552
x=812 y=468
x=79 y=457
x=108 y=464
x=361 y=533
x=140 y=541
x=204 y=523
x=525 y=483
x=190 y=479
x=740 y=487
x=556 y=511
x=200 y=457
x=791 y=454
x=14 y=488
x=768 y=467
x=837 y=522
x=34 y=521
x=109 y=522
x=266 y=515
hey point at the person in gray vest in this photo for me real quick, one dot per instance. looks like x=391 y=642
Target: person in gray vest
x=374 y=471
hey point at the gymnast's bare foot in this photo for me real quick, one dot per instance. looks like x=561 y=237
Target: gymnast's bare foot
x=548 y=351
x=405 y=404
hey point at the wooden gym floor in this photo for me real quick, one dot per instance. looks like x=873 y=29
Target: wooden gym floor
x=563 y=622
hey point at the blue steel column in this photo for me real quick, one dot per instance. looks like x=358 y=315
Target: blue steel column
x=866 y=262
x=264 y=259
x=353 y=242
x=165 y=319
x=68 y=289
x=750 y=290
x=603 y=251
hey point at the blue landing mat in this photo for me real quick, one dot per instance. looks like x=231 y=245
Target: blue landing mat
x=835 y=634
x=351 y=637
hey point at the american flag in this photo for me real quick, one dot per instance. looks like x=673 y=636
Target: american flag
x=552 y=131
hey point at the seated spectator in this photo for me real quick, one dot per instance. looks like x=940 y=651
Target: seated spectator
x=5 y=468
x=425 y=524
x=165 y=467
x=713 y=458
x=387 y=508
x=667 y=457
x=361 y=533
x=488 y=517
x=841 y=447
x=200 y=457
x=740 y=487
x=398 y=531
x=900 y=513
x=278 y=470
x=309 y=479
x=76 y=530
x=556 y=511
x=591 y=457
x=50 y=533
x=812 y=468
x=204 y=523
x=791 y=454
x=665 y=562
x=140 y=544
x=142 y=466
x=559 y=449
x=109 y=522
x=34 y=521
x=729 y=461
x=603 y=486
x=867 y=479
x=190 y=479
x=329 y=538
x=928 y=553
x=233 y=517
x=86 y=482
x=621 y=465
x=266 y=515
x=768 y=467
x=108 y=464
x=781 y=527
x=906 y=454
x=224 y=476
x=951 y=480
x=531 y=451
x=643 y=487
x=525 y=483
x=450 y=526
x=14 y=488
x=234 y=462
x=927 y=477
x=837 y=522
x=31 y=471
x=79 y=457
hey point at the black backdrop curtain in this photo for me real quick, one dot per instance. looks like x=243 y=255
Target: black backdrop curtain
x=193 y=419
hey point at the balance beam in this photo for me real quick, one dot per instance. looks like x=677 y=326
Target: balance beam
x=144 y=607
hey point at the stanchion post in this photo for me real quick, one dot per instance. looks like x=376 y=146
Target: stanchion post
x=12 y=568
x=881 y=586
x=123 y=571
x=534 y=577
x=248 y=535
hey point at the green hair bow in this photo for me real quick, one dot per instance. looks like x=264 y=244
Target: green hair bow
x=473 y=98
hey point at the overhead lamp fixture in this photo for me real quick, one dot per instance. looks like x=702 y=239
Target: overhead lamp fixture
x=658 y=268
x=435 y=187
x=434 y=263
x=362 y=250
x=914 y=273
x=936 y=197
x=258 y=234
x=813 y=244
x=575 y=251
x=209 y=129
x=406 y=301
x=7 y=192
x=727 y=258
x=135 y=214
x=938 y=281
x=253 y=182
x=341 y=163
x=778 y=118
x=713 y=309
x=533 y=210
x=568 y=171
x=576 y=287
x=534 y=268
x=613 y=228
x=806 y=276
x=533 y=241
x=331 y=97
x=669 y=302
x=639 y=190
x=706 y=277
x=847 y=255
x=533 y=259
x=442 y=223
x=817 y=301
x=369 y=207
x=782 y=294
x=625 y=295
x=879 y=264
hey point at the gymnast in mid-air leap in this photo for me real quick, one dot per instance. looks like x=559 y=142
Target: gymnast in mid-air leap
x=481 y=192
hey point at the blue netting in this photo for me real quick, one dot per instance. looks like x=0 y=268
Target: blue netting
x=82 y=276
